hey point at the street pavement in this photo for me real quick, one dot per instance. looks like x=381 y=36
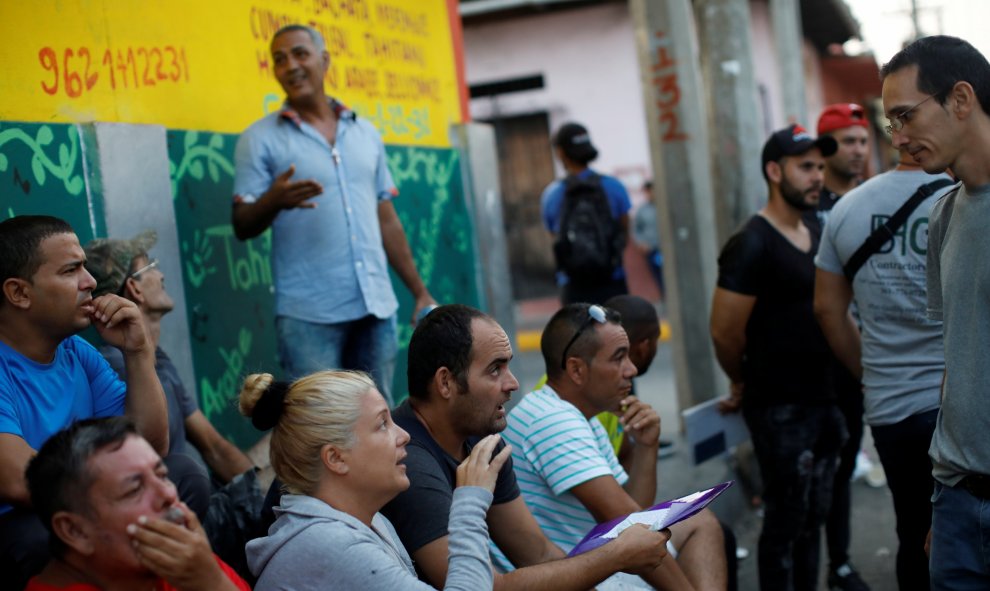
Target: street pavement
x=874 y=541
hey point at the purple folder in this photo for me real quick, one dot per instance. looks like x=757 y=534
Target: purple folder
x=656 y=517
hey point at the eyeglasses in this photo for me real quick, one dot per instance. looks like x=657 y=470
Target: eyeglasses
x=595 y=314
x=153 y=264
x=897 y=121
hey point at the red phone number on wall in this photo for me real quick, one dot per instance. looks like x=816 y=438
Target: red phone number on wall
x=74 y=71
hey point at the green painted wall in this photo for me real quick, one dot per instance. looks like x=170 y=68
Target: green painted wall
x=228 y=283
x=42 y=171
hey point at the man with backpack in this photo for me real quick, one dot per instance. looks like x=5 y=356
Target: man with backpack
x=897 y=351
x=588 y=214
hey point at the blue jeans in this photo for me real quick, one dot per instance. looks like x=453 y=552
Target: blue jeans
x=903 y=449
x=368 y=344
x=960 y=551
x=797 y=447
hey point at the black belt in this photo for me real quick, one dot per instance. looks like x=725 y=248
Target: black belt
x=977 y=485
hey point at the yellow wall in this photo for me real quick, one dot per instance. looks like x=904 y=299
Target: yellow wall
x=205 y=65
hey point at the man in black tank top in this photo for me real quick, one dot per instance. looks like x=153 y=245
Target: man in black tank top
x=770 y=346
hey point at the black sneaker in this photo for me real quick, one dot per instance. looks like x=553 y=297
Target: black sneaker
x=845 y=578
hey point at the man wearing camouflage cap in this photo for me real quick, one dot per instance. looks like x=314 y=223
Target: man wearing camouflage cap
x=123 y=267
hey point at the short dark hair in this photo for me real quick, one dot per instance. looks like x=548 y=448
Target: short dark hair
x=314 y=35
x=441 y=339
x=942 y=62
x=562 y=328
x=639 y=317
x=20 y=243
x=59 y=477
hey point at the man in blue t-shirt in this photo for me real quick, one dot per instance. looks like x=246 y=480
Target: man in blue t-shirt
x=49 y=377
x=573 y=147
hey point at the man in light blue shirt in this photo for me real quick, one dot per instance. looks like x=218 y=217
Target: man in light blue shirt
x=317 y=176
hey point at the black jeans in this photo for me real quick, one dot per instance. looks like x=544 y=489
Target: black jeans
x=797 y=447
x=849 y=397
x=903 y=449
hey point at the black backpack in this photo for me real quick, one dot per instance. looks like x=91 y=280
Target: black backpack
x=589 y=240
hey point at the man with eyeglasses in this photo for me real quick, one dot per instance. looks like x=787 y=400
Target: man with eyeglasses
x=124 y=267
x=776 y=357
x=936 y=93
x=567 y=468
x=50 y=377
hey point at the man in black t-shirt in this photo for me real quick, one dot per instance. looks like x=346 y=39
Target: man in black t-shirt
x=459 y=383
x=769 y=344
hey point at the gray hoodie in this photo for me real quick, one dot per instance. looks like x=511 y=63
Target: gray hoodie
x=312 y=546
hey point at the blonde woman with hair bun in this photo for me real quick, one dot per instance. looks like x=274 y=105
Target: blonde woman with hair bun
x=339 y=455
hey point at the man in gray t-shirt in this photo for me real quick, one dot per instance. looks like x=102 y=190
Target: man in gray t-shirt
x=936 y=94
x=898 y=356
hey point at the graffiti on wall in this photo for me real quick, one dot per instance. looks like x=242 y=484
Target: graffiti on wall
x=42 y=172
x=667 y=89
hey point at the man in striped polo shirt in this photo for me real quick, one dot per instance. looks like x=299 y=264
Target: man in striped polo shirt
x=566 y=467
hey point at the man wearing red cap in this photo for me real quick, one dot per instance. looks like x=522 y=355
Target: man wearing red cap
x=847 y=124
x=768 y=343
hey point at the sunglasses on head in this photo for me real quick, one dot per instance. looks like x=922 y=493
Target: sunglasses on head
x=596 y=313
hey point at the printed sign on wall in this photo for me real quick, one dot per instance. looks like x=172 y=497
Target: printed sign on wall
x=188 y=64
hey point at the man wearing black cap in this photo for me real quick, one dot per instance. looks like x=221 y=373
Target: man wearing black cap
x=768 y=343
x=593 y=211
